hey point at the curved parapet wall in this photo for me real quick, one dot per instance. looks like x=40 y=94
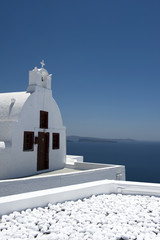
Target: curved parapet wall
x=11 y=105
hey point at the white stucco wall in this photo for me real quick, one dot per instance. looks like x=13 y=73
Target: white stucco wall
x=25 y=163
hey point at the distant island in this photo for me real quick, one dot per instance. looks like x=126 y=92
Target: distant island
x=93 y=139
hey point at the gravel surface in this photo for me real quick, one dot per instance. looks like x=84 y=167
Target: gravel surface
x=109 y=217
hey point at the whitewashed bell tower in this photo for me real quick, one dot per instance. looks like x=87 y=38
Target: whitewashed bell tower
x=39 y=77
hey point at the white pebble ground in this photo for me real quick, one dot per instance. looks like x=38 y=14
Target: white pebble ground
x=109 y=217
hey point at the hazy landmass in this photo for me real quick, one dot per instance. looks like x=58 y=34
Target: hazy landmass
x=93 y=139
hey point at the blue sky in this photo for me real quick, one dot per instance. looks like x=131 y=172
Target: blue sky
x=104 y=56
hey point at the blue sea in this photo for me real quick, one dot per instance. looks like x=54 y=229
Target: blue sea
x=141 y=159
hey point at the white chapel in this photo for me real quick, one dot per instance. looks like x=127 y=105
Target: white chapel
x=32 y=135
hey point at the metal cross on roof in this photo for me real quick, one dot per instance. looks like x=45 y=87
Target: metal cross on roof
x=42 y=63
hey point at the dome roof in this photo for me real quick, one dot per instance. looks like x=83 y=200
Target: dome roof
x=43 y=71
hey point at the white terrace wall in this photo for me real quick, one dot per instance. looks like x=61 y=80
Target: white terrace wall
x=42 y=198
x=41 y=182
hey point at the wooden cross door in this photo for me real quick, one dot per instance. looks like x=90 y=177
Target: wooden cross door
x=43 y=151
x=43 y=143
